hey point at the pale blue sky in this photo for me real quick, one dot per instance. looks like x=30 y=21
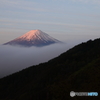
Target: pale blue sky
x=65 y=20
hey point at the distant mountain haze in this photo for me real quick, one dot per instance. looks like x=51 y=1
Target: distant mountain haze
x=33 y=38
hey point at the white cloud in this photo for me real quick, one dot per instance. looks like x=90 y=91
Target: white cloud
x=12 y=58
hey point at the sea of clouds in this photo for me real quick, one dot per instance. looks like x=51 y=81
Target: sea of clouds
x=14 y=58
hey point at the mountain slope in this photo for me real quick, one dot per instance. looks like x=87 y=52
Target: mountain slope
x=75 y=70
x=87 y=79
x=33 y=38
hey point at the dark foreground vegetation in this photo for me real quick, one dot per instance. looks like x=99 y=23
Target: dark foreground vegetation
x=77 y=70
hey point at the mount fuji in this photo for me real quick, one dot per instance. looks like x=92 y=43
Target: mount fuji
x=33 y=38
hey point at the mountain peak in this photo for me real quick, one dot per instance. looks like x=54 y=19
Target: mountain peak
x=31 y=34
x=35 y=31
x=33 y=38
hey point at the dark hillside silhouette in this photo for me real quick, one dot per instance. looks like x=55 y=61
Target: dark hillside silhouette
x=78 y=69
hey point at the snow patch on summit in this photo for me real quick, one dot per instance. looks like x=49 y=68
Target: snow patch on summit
x=34 y=38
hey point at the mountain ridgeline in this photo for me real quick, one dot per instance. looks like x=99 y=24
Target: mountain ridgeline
x=78 y=69
x=33 y=38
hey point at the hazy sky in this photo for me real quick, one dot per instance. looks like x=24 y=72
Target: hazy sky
x=63 y=19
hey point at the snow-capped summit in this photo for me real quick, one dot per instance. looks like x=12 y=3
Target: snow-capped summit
x=33 y=38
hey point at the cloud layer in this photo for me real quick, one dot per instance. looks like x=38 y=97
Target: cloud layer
x=13 y=59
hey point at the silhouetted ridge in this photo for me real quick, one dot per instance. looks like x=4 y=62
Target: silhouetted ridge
x=78 y=69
